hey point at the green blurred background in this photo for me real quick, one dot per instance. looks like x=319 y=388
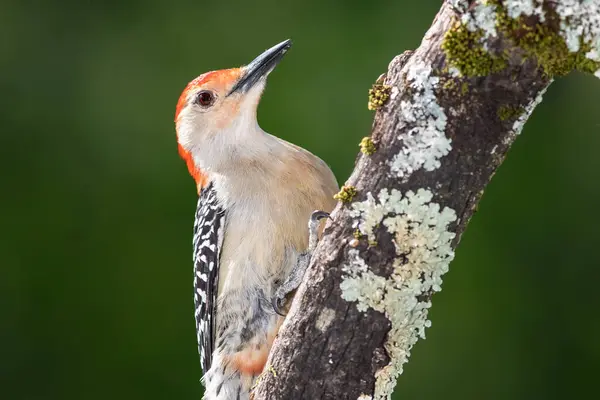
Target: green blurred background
x=97 y=208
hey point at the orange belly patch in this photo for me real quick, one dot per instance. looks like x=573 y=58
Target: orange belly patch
x=252 y=360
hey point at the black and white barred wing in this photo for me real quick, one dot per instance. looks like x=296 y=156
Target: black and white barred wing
x=208 y=238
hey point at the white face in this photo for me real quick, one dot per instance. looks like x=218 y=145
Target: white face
x=212 y=125
x=216 y=116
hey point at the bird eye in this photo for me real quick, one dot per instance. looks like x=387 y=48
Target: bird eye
x=205 y=98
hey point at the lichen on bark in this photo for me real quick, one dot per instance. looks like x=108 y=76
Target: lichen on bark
x=455 y=106
x=538 y=35
x=536 y=30
x=465 y=51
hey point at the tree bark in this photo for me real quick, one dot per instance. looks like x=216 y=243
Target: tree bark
x=438 y=139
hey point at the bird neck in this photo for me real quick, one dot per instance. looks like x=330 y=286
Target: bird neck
x=241 y=151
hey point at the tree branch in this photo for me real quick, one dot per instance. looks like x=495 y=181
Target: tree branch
x=447 y=115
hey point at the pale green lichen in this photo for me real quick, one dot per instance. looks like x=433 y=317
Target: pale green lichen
x=346 y=194
x=367 y=146
x=508 y=112
x=378 y=95
x=425 y=143
x=325 y=319
x=420 y=233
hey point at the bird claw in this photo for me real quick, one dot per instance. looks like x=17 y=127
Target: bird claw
x=278 y=305
x=318 y=215
x=295 y=277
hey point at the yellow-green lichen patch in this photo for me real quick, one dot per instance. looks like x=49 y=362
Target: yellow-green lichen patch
x=378 y=95
x=367 y=146
x=464 y=88
x=464 y=50
x=507 y=112
x=346 y=194
x=449 y=84
x=453 y=85
x=544 y=42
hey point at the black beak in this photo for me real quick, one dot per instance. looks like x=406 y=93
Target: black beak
x=260 y=67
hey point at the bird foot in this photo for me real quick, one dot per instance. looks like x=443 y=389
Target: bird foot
x=295 y=277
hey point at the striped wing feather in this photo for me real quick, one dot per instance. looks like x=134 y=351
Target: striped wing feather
x=208 y=238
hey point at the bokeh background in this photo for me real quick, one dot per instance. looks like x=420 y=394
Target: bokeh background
x=97 y=209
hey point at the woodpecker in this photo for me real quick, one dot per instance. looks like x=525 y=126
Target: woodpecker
x=257 y=197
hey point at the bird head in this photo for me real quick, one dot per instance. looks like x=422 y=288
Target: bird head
x=215 y=117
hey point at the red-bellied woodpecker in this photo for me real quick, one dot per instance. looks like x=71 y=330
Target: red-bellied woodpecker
x=251 y=246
